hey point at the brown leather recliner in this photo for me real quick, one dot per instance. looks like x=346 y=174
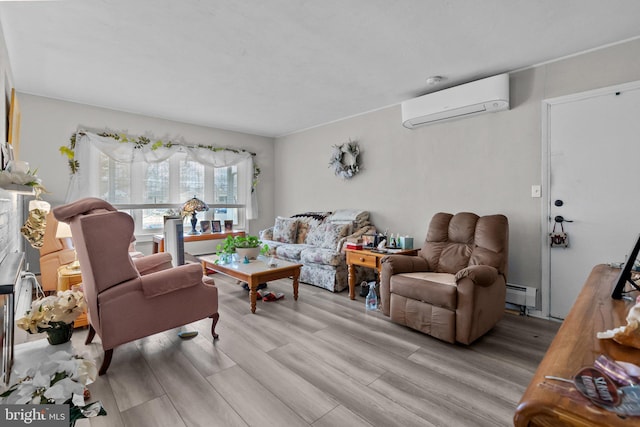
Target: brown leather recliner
x=54 y=253
x=455 y=288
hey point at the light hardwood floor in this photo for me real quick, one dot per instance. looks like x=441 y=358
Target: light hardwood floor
x=320 y=361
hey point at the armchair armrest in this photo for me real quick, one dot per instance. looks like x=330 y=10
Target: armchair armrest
x=170 y=280
x=152 y=263
x=397 y=264
x=481 y=275
x=65 y=256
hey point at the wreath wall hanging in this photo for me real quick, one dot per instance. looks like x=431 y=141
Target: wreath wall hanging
x=344 y=160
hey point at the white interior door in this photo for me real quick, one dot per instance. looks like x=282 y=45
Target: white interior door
x=594 y=165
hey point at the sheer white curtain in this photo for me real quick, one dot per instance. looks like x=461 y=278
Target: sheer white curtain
x=85 y=182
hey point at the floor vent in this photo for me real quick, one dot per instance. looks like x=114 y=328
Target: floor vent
x=521 y=295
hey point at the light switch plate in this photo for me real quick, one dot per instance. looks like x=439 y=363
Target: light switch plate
x=536 y=191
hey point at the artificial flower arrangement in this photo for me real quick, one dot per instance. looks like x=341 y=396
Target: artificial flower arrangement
x=22 y=177
x=53 y=311
x=61 y=379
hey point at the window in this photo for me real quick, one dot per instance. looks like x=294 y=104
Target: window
x=168 y=185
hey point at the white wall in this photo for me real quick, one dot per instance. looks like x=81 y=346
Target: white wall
x=485 y=164
x=47 y=124
x=9 y=209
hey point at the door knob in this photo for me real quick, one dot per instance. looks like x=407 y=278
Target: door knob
x=560 y=219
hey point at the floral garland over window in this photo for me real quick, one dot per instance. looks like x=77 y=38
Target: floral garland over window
x=344 y=160
x=141 y=142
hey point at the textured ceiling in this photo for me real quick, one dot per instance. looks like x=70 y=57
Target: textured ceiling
x=272 y=67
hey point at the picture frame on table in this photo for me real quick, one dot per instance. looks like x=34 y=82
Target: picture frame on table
x=367 y=240
x=228 y=225
x=205 y=226
x=216 y=226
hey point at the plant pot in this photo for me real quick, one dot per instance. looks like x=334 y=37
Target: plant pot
x=250 y=253
x=60 y=333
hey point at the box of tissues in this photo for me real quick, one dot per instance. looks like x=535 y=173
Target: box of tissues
x=406 y=242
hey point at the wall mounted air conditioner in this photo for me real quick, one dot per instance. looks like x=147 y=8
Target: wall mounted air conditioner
x=482 y=96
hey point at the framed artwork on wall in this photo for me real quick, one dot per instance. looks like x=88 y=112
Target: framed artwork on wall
x=14 y=124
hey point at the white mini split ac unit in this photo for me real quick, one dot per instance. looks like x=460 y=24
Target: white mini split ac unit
x=482 y=96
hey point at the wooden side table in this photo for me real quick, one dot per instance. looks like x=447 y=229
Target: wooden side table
x=67 y=279
x=369 y=259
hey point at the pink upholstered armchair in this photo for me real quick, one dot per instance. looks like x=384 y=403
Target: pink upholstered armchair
x=128 y=300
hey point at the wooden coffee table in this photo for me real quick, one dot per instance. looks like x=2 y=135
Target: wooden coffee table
x=255 y=272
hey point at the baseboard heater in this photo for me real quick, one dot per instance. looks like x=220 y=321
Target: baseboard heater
x=524 y=296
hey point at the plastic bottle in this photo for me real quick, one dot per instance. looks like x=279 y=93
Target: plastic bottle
x=371 y=303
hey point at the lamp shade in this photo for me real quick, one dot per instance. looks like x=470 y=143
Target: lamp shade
x=194 y=205
x=63 y=231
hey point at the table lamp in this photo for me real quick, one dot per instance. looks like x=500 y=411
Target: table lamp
x=193 y=206
x=64 y=232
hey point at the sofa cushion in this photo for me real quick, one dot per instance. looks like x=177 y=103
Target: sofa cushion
x=327 y=235
x=437 y=289
x=306 y=222
x=290 y=251
x=313 y=255
x=285 y=230
x=350 y=226
x=315 y=236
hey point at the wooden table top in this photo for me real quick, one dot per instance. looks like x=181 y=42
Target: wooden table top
x=255 y=266
x=397 y=251
x=576 y=346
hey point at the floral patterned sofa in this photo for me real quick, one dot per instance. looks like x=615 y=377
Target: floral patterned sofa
x=316 y=240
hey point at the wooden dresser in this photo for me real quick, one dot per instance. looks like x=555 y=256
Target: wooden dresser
x=547 y=402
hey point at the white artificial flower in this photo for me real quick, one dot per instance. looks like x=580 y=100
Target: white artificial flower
x=62 y=390
x=86 y=373
x=78 y=399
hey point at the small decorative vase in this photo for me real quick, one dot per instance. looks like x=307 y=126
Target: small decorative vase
x=60 y=333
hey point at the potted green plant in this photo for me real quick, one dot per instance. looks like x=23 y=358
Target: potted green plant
x=245 y=246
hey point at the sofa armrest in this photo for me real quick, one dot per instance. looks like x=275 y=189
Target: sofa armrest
x=152 y=263
x=170 y=280
x=481 y=275
x=266 y=234
x=397 y=264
